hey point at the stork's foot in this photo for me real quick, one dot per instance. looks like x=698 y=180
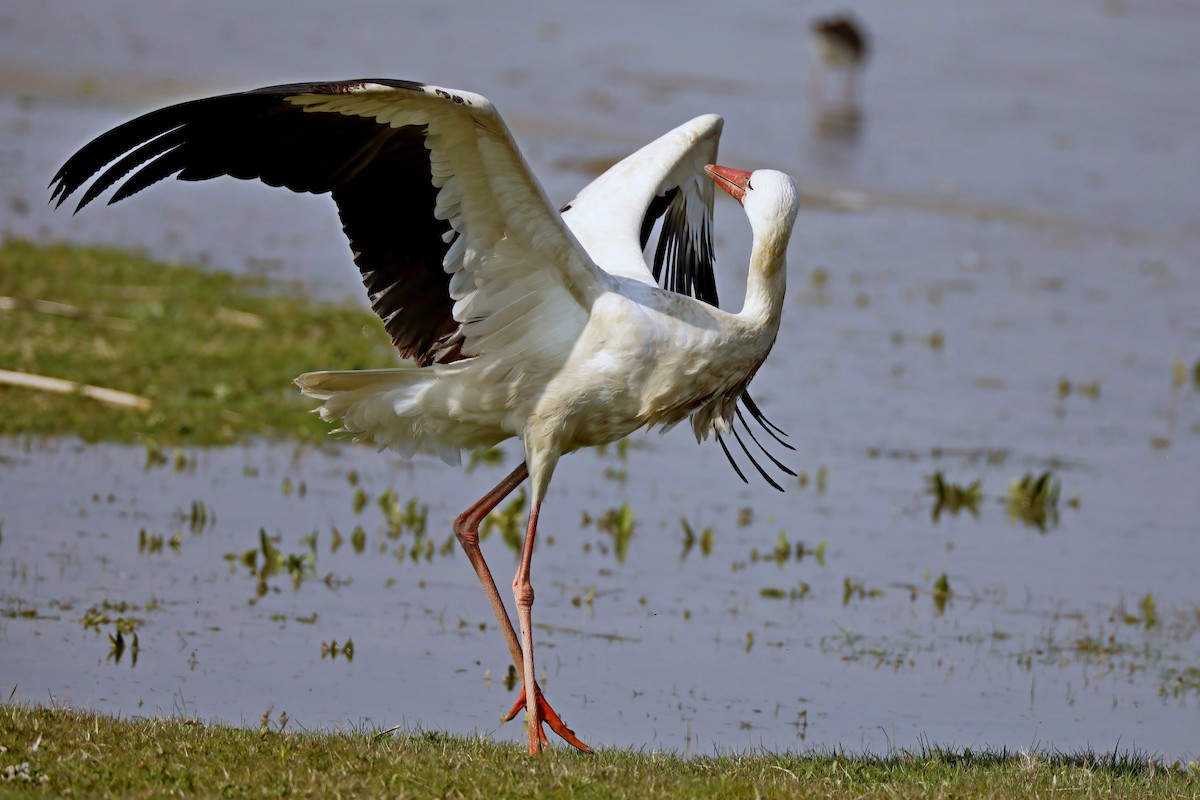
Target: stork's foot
x=546 y=714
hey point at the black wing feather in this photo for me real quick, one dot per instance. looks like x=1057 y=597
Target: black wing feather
x=132 y=161
x=683 y=259
x=754 y=461
x=379 y=177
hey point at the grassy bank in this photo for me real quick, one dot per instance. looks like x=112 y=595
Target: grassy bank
x=211 y=355
x=59 y=752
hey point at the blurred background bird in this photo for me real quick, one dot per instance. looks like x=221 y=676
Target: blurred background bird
x=840 y=44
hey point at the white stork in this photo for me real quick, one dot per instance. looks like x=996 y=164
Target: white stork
x=522 y=320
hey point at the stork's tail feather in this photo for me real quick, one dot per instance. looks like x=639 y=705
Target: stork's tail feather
x=383 y=406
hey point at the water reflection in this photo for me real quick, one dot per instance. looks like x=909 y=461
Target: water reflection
x=837 y=125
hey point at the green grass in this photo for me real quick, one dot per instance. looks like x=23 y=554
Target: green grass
x=214 y=353
x=64 y=753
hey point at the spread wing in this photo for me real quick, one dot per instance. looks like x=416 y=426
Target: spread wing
x=614 y=218
x=454 y=237
x=615 y=215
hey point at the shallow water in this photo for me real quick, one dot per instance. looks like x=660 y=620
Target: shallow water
x=1023 y=185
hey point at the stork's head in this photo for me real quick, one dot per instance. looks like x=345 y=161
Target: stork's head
x=766 y=194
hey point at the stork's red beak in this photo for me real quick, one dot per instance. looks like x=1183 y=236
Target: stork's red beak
x=734 y=181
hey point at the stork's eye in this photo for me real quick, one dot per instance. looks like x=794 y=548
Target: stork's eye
x=749 y=185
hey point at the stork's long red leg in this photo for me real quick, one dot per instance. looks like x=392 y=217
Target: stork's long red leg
x=466 y=528
x=523 y=592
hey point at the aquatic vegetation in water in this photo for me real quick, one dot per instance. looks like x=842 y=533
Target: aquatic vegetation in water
x=941 y=593
x=783 y=551
x=623 y=448
x=333 y=649
x=413 y=516
x=1179 y=374
x=689 y=539
x=1178 y=682
x=508 y=521
x=149 y=543
x=935 y=341
x=853 y=646
x=298 y=566
x=1149 y=611
x=198 y=516
x=796 y=593
x=1033 y=501
x=510 y=678
x=120 y=613
x=1089 y=389
x=585 y=599
x=618 y=523
x=155 y=456
x=125 y=625
x=951 y=497
x=485 y=457
x=117 y=647
x=15 y=608
x=817 y=552
x=1148 y=618
x=1100 y=648
x=852 y=589
x=614 y=474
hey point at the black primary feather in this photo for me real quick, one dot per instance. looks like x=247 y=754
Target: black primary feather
x=379 y=178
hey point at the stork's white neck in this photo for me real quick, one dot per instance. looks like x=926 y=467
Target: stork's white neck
x=766 y=283
x=771 y=209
